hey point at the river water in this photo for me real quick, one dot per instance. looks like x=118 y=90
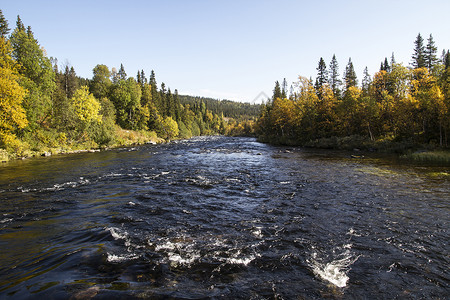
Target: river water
x=223 y=218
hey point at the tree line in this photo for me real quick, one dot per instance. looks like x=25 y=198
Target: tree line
x=227 y=108
x=43 y=105
x=398 y=104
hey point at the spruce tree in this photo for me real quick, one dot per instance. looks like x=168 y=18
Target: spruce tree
x=176 y=102
x=284 y=89
x=122 y=74
x=322 y=74
x=335 y=82
x=430 y=54
x=143 y=78
x=392 y=60
x=4 y=29
x=350 y=75
x=276 y=91
x=138 y=78
x=19 y=24
x=418 y=57
x=386 y=66
x=162 y=106
x=365 y=84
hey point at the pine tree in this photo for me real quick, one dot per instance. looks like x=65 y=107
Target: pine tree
x=350 y=75
x=334 y=80
x=4 y=29
x=430 y=54
x=418 y=57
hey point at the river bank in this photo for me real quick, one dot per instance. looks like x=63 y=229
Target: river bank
x=406 y=150
x=124 y=138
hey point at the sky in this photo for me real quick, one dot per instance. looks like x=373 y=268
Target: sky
x=232 y=50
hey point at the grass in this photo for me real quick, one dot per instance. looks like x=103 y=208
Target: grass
x=436 y=156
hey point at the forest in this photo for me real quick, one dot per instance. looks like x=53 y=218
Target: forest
x=47 y=108
x=399 y=106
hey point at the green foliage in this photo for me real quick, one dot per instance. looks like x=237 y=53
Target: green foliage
x=37 y=74
x=126 y=96
x=101 y=82
x=4 y=29
x=184 y=132
x=418 y=57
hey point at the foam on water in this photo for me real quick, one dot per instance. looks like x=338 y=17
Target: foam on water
x=336 y=270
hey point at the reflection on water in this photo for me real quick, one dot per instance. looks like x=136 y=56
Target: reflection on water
x=218 y=217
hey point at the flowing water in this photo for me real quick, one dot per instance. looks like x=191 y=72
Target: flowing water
x=223 y=218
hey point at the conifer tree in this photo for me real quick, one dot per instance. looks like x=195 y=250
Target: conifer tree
x=386 y=66
x=162 y=106
x=4 y=29
x=365 y=84
x=143 y=78
x=392 y=60
x=334 y=80
x=276 y=91
x=284 y=89
x=322 y=74
x=418 y=57
x=138 y=78
x=430 y=54
x=19 y=24
x=350 y=75
x=122 y=74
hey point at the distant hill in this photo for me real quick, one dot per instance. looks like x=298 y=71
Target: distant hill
x=230 y=109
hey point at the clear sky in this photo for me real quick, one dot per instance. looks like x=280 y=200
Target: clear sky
x=230 y=49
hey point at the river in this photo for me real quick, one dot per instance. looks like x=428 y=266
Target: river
x=223 y=218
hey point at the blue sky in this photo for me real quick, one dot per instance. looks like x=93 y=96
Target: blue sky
x=230 y=49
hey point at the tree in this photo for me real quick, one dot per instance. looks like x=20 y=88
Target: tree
x=19 y=24
x=276 y=91
x=284 y=89
x=418 y=57
x=322 y=75
x=122 y=74
x=366 y=81
x=38 y=76
x=430 y=54
x=126 y=96
x=350 y=78
x=12 y=113
x=334 y=80
x=4 y=29
x=101 y=82
x=70 y=81
x=86 y=107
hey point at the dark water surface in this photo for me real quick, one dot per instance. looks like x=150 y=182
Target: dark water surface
x=227 y=218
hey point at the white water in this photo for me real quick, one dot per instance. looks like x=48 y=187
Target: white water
x=334 y=271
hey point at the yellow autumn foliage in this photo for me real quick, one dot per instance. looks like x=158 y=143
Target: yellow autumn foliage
x=86 y=107
x=12 y=114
